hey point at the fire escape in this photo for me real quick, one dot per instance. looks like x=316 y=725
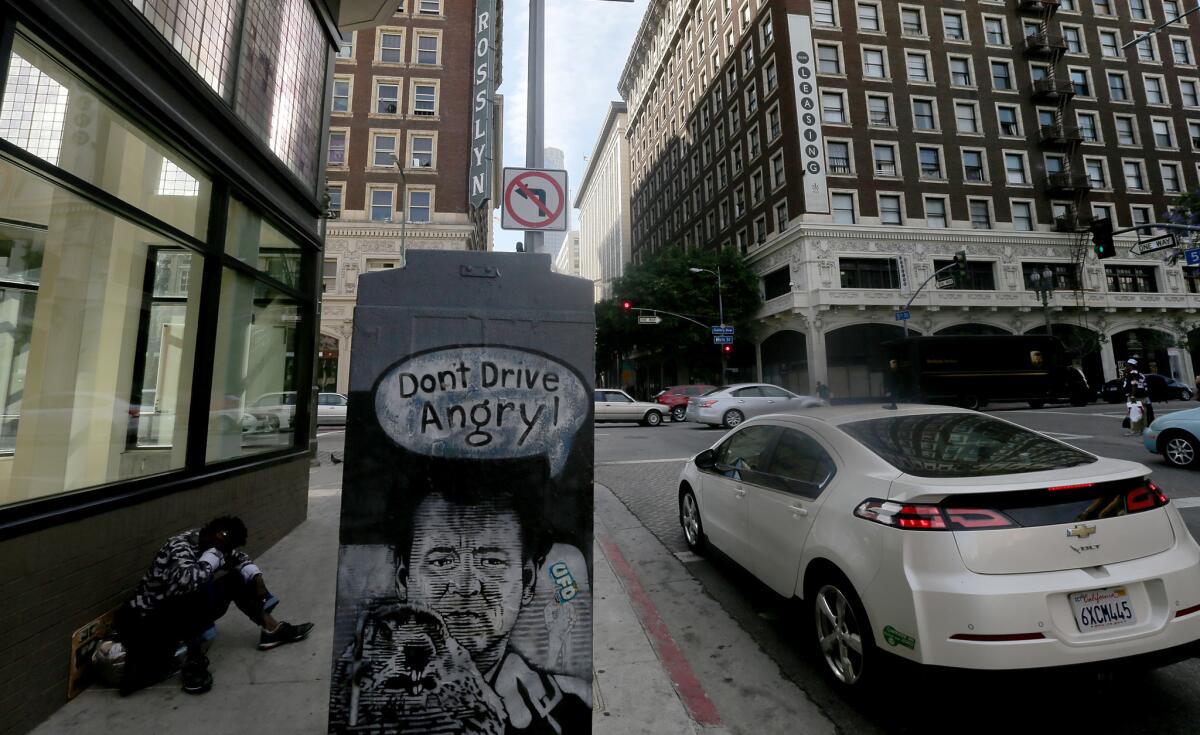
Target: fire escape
x=1058 y=134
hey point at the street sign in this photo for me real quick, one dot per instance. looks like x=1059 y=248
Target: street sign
x=722 y=339
x=902 y=316
x=945 y=282
x=650 y=319
x=534 y=199
x=1192 y=256
x=722 y=330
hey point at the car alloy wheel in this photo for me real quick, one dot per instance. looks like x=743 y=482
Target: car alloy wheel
x=839 y=634
x=653 y=418
x=732 y=418
x=689 y=518
x=1180 y=451
x=1185 y=395
x=678 y=413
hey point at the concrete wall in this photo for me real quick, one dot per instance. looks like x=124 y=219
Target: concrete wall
x=56 y=580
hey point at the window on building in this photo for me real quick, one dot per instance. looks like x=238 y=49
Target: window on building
x=874 y=65
x=420 y=205
x=884 y=155
x=1009 y=120
x=1022 y=216
x=1110 y=44
x=1190 y=93
x=1155 y=94
x=879 y=110
x=1181 y=51
x=346 y=48
x=424 y=100
x=778 y=171
x=1002 y=75
x=931 y=162
x=839 y=157
x=770 y=76
x=1065 y=278
x=1126 y=130
x=936 y=215
x=1137 y=10
x=1194 y=133
x=868 y=273
x=428 y=48
x=824 y=13
x=1140 y=214
x=757 y=187
x=1146 y=50
x=833 y=107
x=869 y=17
x=965 y=117
x=973 y=167
x=1080 y=83
x=329 y=276
x=955 y=26
x=918 y=66
x=387 y=98
x=334 y=191
x=1095 y=173
x=381 y=204
x=383 y=150
x=960 y=71
x=924 y=117
x=1135 y=177
x=980 y=276
x=981 y=214
x=751 y=98
x=1118 y=87
x=993 y=31
x=1131 y=278
x=843 y=208
x=829 y=58
x=766 y=30
x=420 y=151
x=912 y=22
x=1172 y=178
x=1073 y=36
x=337 y=148
x=1164 y=136
x=781 y=216
x=1171 y=10
x=1088 y=127
x=1014 y=169
x=341 y=95
x=429 y=7
x=774 y=123
x=391 y=47
x=889 y=209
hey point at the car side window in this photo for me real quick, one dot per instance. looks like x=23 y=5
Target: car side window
x=339 y=400
x=771 y=391
x=744 y=455
x=752 y=392
x=601 y=396
x=616 y=397
x=800 y=465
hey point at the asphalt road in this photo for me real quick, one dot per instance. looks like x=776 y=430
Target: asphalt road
x=641 y=466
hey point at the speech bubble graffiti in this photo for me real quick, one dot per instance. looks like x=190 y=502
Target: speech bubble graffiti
x=483 y=402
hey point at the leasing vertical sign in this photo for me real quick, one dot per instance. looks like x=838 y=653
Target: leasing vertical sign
x=482 y=104
x=808 y=114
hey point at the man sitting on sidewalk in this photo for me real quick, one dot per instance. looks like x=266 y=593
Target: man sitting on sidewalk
x=190 y=584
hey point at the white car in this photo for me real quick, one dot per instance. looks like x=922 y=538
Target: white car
x=730 y=405
x=331 y=409
x=947 y=537
x=616 y=405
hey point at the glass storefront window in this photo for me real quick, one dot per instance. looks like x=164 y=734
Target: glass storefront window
x=254 y=370
x=97 y=321
x=51 y=113
x=252 y=240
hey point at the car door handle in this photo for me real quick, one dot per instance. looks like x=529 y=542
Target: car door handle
x=797 y=510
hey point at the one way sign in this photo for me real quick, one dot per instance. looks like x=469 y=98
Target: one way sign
x=534 y=199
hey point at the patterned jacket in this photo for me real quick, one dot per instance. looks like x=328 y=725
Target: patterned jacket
x=181 y=566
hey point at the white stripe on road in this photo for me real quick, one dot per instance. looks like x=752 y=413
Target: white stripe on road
x=646 y=461
x=323 y=492
x=1186 y=502
x=1069 y=413
x=1065 y=437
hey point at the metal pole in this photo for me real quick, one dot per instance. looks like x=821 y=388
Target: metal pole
x=1046 y=312
x=720 y=300
x=535 y=109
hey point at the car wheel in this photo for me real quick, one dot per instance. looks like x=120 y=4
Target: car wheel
x=273 y=422
x=689 y=518
x=1185 y=395
x=678 y=413
x=843 y=634
x=1180 y=450
x=732 y=418
x=1036 y=404
x=653 y=418
x=971 y=402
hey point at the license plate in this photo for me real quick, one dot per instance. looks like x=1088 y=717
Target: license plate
x=1102 y=609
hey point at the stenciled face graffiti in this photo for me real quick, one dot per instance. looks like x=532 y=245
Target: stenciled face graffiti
x=484 y=624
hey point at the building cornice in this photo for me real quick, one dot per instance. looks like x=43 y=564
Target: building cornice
x=615 y=110
x=411 y=232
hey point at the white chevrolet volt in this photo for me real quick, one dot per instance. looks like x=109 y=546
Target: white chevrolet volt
x=947 y=537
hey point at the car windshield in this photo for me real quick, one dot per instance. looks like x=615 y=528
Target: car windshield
x=962 y=445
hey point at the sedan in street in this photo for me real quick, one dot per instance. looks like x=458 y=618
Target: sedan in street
x=616 y=405
x=947 y=537
x=331 y=409
x=730 y=405
x=1161 y=389
x=1174 y=436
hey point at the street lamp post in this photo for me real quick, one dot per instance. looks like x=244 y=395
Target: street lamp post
x=1043 y=285
x=720 y=308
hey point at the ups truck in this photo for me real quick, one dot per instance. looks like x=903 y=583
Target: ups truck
x=972 y=371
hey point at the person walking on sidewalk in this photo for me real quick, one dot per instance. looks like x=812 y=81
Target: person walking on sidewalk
x=193 y=578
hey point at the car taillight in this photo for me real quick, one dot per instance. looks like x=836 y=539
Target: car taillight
x=1145 y=497
x=930 y=517
x=707 y=403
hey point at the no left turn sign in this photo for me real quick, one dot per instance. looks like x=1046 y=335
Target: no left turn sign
x=534 y=199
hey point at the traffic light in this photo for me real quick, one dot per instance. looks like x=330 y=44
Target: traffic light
x=960 y=271
x=627 y=305
x=1102 y=238
x=727 y=349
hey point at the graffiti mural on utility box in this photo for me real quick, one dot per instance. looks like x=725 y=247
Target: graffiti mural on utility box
x=464 y=581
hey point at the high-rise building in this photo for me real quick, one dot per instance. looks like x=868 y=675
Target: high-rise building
x=160 y=233
x=603 y=202
x=567 y=260
x=401 y=91
x=905 y=132
x=554 y=158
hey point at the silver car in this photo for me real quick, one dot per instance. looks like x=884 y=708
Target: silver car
x=617 y=405
x=331 y=409
x=730 y=405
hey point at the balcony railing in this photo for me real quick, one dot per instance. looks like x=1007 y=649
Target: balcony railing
x=1044 y=43
x=1053 y=88
x=839 y=165
x=1059 y=134
x=1067 y=181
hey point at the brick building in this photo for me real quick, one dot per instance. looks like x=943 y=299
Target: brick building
x=400 y=91
x=998 y=127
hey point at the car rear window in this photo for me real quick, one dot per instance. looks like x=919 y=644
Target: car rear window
x=962 y=445
x=717 y=390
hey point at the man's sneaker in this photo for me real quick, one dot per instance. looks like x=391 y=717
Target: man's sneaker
x=196 y=679
x=285 y=633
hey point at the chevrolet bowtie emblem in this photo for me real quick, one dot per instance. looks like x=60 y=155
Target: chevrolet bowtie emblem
x=1081 y=531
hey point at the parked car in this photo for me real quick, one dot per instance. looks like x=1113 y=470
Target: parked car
x=1174 y=436
x=730 y=405
x=278 y=410
x=1161 y=389
x=616 y=405
x=331 y=409
x=949 y=538
x=676 y=398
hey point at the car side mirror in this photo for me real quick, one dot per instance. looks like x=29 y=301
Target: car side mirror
x=706 y=460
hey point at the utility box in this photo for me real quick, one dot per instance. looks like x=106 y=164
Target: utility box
x=464 y=599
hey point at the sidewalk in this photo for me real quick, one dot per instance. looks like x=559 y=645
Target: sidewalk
x=286 y=690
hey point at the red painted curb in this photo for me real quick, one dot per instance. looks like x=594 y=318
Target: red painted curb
x=699 y=706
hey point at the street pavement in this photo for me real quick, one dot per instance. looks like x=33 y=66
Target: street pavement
x=641 y=466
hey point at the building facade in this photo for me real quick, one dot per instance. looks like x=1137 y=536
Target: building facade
x=401 y=91
x=567 y=260
x=998 y=128
x=603 y=202
x=160 y=240
x=552 y=240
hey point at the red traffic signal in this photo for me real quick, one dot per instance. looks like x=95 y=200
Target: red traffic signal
x=727 y=349
x=627 y=305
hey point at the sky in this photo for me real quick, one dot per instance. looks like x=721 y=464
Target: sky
x=587 y=44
